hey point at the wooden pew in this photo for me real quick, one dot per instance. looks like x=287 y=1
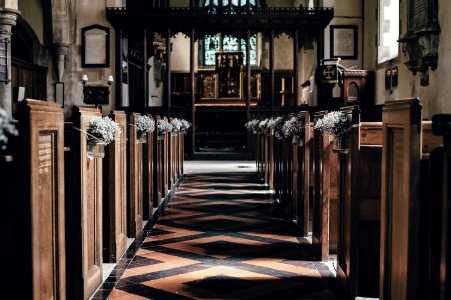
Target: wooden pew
x=165 y=153
x=32 y=215
x=440 y=271
x=135 y=179
x=157 y=169
x=322 y=151
x=359 y=208
x=148 y=176
x=115 y=193
x=83 y=193
x=301 y=174
x=402 y=222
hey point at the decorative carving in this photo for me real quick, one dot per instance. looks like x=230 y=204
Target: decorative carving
x=420 y=43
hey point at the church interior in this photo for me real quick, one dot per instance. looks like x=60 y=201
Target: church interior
x=225 y=149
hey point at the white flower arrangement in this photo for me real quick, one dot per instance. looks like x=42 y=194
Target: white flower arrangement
x=252 y=125
x=163 y=126
x=145 y=124
x=7 y=128
x=263 y=125
x=185 y=125
x=103 y=130
x=176 y=124
x=292 y=127
x=333 y=123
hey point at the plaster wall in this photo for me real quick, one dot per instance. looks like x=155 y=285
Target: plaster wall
x=32 y=12
x=346 y=13
x=435 y=97
x=85 y=13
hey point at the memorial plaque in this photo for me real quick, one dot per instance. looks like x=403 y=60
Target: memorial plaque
x=46 y=215
x=418 y=14
x=95 y=47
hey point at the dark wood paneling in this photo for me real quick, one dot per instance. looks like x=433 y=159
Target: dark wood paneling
x=83 y=182
x=115 y=194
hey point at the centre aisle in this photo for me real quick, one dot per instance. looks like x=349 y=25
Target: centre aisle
x=220 y=238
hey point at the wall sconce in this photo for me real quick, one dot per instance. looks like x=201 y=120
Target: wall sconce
x=97 y=94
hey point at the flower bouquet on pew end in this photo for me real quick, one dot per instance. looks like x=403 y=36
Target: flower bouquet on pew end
x=7 y=129
x=276 y=124
x=185 y=126
x=163 y=126
x=336 y=124
x=293 y=128
x=101 y=132
x=145 y=125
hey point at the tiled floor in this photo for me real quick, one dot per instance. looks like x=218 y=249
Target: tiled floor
x=220 y=238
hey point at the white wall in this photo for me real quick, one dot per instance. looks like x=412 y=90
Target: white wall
x=435 y=98
x=348 y=12
x=86 y=13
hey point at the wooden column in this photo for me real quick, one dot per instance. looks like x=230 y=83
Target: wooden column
x=193 y=91
x=115 y=194
x=248 y=86
x=272 y=71
x=168 y=72
x=295 y=69
x=248 y=73
x=83 y=185
x=145 y=74
x=119 y=77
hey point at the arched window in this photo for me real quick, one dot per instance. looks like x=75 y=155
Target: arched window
x=218 y=42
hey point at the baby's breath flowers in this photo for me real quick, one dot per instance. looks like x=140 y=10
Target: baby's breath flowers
x=103 y=130
x=185 y=125
x=176 y=124
x=163 y=126
x=252 y=125
x=292 y=127
x=333 y=123
x=145 y=124
x=7 y=128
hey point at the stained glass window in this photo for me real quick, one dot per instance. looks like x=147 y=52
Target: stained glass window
x=213 y=43
x=234 y=2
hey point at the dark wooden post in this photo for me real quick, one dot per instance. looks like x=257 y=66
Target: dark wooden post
x=119 y=77
x=271 y=70
x=168 y=72
x=320 y=232
x=295 y=69
x=248 y=73
x=144 y=70
x=193 y=91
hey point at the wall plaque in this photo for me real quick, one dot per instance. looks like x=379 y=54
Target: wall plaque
x=95 y=46
x=343 y=41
